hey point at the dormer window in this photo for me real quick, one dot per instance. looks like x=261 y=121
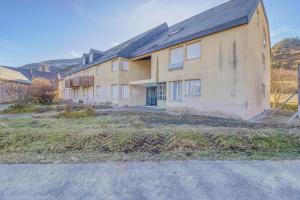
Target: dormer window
x=83 y=60
x=91 y=58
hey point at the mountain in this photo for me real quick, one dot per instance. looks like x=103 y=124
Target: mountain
x=60 y=65
x=286 y=53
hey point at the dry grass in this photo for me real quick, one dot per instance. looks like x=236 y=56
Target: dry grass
x=132 y=136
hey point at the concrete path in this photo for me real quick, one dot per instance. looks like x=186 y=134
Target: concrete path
x=174 y=180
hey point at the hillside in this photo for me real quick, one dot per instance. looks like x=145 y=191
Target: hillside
x=286 y=53
x=60 y=65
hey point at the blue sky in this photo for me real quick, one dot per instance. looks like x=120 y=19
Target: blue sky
x=38 y=30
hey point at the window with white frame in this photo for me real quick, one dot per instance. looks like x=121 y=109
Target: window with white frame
x=115 y=65
x=193 y=87
x=99 y=70
x=124 y=92
x=176 y=58
x=114 y=92
x=161 y=91
x=175 y=90
x=98 y=90
x=193 y=51
x=125 y=65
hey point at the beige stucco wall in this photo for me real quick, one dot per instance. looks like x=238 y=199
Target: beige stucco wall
x=230 y=69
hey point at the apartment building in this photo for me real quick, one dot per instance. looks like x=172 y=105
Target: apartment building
x=215 y=63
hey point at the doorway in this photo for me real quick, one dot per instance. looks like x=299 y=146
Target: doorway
x=151 y=96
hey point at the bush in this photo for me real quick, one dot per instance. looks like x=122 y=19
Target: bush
x=42 y=91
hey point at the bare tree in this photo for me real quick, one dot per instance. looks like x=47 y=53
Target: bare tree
x=42 y=90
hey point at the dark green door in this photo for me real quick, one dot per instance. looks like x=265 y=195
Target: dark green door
x=151 y=96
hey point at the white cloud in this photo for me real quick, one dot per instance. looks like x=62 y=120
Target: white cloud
x=74 y=54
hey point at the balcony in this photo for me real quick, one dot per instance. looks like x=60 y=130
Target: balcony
x=82 y=81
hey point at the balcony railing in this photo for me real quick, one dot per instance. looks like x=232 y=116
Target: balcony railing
x=82 y=81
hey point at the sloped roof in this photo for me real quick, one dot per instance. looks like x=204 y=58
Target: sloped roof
x=225 y=16
x=228 y=15
x=31 y=74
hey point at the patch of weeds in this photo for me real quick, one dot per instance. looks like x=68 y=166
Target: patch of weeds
x=20 y=109
x=87 y=112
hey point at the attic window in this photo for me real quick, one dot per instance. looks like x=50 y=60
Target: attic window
x=176 y=31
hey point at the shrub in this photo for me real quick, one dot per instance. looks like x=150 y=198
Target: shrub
x=42 y=91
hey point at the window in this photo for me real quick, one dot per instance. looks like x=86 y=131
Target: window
x=125 y=65
x=98 y=90
x=114 y=92
x=265 y=38
x=264 y=61
x=115 y=65
x=124 y=92
x=176 y=91
x=85 y=91
x=176 y=58
x=193 y=87
x=99 y=69
x=161 y=91
x=263 y=90
x=76 y=93
x=91 y=58
x=193 y=51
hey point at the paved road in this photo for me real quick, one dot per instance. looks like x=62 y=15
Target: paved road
x=174 y=180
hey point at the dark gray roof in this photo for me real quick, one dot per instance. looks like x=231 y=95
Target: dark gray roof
x=228 y=15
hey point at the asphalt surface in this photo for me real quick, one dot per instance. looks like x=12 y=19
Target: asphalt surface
x=174 y=180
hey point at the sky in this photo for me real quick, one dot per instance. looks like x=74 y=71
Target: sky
x=38 y=30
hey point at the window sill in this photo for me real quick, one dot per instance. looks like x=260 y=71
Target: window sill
x=191 y=59
x=174 y=67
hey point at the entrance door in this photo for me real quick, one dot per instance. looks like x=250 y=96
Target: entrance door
x=151 y=96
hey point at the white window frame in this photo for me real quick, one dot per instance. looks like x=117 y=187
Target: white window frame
x=98 y=90
x=115 y=65
x=162 y=91
x=193 y=51
x=176 y=58
x=124 y=92
x=125 y=65
x=115 y=94
x=193 y=88
x=175 y=90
